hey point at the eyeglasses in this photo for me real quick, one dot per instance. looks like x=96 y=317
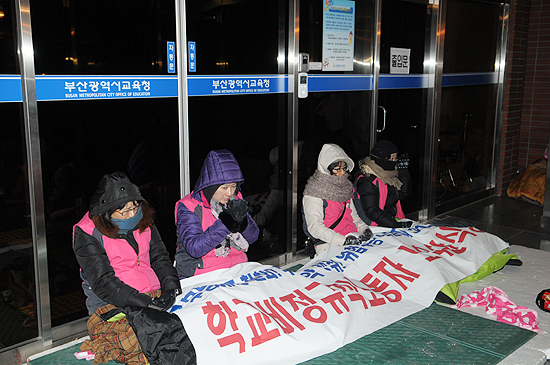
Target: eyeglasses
x=127 y=212
x=338 y=169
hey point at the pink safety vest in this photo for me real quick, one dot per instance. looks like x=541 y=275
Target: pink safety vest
x=333 y=210
x=133 y=270
x=209 y=260
x=383 y=189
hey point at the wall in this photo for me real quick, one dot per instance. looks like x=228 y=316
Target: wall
x=535 y=114
x=526 y=121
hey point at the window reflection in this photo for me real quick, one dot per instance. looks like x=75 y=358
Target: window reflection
x=102 y=37
x=247 y=125
x=234 y=37
x=465 y=140
x=8 y=41
x=80 y=142
x=17 y=285
x=471 y=31
x=467 y=119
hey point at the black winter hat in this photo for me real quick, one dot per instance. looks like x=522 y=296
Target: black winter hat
x=114 y=190
x=383 y=149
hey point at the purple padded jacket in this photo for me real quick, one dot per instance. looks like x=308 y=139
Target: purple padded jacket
x=199 y=232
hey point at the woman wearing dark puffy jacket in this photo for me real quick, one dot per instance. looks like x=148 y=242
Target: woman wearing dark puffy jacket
x=382 y=183
x=213 y=224
x=123 y=263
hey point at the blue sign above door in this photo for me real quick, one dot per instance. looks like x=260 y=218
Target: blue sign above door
x=124 y=87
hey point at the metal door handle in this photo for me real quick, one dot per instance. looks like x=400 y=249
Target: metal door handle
x=384 y=126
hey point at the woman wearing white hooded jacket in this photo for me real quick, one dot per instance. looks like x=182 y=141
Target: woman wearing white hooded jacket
x=330 y=218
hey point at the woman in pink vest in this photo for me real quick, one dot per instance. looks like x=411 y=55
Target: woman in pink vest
x=213 y=224
x=330 y=218
x=123 y=263
x=383 y=182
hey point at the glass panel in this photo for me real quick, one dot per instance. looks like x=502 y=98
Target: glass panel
x=465 y=140
x=8 y=41
x=83 y=140
x=242 y=38
x=311 y=33
x=404 y=26
x=471 y=32
x=80 y=142
x=18 y=318
x=336 y=117
x=467 y=119
x=247 y=125
x=405 y=127
x=102 y=37
x=239 y=37
x=342 y=118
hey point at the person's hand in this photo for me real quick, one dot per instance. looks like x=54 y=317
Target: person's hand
x=366 y=235
x=223 y=249
x=352 y=240
x=237 y=209
x=239 y=243
x=403 y=161
x=165 y=301
x=233 y=215
x=405 y=224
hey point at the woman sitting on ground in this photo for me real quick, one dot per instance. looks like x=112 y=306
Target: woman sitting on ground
x=383 y=181
x=123 y=263
x=330 y=219
x=213 y=224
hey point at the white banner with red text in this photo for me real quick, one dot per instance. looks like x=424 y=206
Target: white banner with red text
x=253 y=313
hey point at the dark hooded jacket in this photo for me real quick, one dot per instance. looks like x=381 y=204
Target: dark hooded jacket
x=199 y=231
x=100 y=282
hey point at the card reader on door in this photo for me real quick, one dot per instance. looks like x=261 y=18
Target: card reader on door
x=302 y=85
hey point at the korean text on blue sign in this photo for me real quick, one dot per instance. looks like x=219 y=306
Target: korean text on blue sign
x=192 y=56
x=249 y=84
x=110 y=87
x=171 y=57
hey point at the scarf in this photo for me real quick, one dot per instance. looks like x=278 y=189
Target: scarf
x=369 y=167
x=125 y=225
x=329 y=187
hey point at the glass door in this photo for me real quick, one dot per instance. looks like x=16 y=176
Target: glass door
x=236 y=83
x=472 y=88
x=337 y=108
x=20 y=299
x=403 y=93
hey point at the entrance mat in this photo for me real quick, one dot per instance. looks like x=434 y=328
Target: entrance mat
x=435 y=335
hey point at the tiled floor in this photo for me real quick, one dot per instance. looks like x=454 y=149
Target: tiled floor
x=515 y=221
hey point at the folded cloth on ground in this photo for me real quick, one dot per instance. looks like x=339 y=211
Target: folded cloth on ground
x=496 y=302
x=86 y=355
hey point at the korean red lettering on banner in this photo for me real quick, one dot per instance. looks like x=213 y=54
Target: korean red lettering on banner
x=447 y=244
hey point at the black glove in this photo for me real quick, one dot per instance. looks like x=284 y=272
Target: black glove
x=233 y=215
x=405 y=224
x=237 y=209
x=165 y=301
x=365 y=236
x=403 y=161
x=352 y=240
